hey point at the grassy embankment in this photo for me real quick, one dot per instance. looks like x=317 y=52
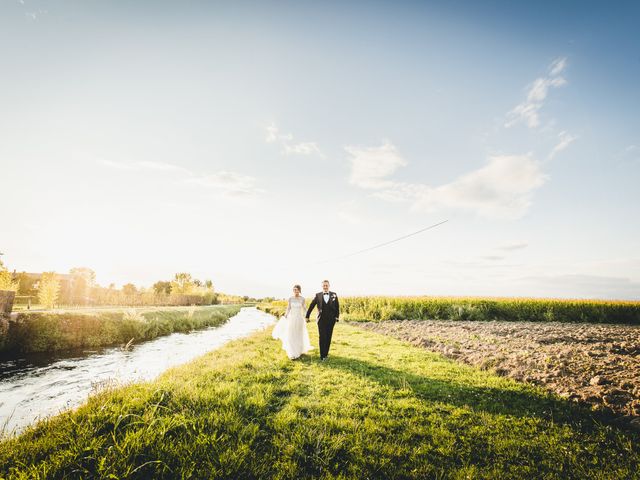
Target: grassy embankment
x=379 y=408
x=49 y=332
x=486 y=308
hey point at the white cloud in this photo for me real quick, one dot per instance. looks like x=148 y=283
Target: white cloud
x=144 y=165
x=513 y=246
x=557 y=66
x=35 y=14
x=631 y=155
x=304 y=148
x=117 y=165
x=504 y=250
x=500 y=189
x=528 y=111
x=273 y=135
x=160 y=166
x=229 y=183
x=370 y=166
x=564 y=140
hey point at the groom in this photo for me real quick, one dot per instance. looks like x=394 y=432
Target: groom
x=328 y=314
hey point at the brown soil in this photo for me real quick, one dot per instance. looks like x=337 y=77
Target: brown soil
x=594 y=363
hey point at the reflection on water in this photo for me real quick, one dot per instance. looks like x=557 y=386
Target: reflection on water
x=42 y=385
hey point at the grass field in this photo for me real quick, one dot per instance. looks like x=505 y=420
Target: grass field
x=71 y=329
x=379 y=408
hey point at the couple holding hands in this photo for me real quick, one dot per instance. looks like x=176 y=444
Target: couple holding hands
x=291 y=329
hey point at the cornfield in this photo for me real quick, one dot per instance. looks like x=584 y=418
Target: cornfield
x=482 y=308
x=479 y=308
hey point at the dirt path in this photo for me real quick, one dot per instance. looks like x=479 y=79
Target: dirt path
x=594 y=363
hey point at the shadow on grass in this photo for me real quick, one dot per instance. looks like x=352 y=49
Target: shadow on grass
x=479 y=398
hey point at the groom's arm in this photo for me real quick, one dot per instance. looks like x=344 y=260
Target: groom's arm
x=314 y=302
x=337 y=309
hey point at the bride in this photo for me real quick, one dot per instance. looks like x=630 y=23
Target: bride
x=291 y=329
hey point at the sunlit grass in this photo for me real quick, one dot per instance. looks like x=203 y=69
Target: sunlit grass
x=63 y=330
x=485 y=308
x=375 y=308
x=379 y=408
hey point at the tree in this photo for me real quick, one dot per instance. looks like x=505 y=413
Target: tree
x=208 y=284
x=162 y=288
x=48 y=289
x=88 y=274
x=6 y=279
x=182 y=283
x=83 y=280
x=7 y=282
x=27 y=284
x=129 y=289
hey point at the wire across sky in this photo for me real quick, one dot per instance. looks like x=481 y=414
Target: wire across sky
x=384 y=243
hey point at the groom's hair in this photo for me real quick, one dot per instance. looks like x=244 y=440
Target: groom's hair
x=325 y=281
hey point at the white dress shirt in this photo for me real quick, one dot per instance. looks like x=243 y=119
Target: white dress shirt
x=326 y=297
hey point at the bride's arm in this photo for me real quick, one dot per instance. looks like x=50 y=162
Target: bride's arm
x=288 y=307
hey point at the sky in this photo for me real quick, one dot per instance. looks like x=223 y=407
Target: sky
x=259 y=144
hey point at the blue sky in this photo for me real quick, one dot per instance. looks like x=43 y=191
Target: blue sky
x=248 y=141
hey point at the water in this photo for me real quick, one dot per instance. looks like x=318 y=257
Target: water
x=40 y=386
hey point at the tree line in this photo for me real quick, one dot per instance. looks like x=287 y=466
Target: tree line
x=79 y=288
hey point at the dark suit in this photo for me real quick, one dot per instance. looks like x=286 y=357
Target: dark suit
x=328 y=315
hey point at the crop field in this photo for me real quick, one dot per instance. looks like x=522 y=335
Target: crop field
x=487 y=308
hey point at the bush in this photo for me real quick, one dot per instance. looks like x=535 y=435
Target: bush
x=48 y=332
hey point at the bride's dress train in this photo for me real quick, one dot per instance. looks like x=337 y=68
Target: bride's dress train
x=291 y=329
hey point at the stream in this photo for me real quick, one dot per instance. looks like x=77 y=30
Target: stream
x=41 y=385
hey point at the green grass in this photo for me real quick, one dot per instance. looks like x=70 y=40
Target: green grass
x=379 y=408
x=65 y=330
x=486 y=308
x=481 y=308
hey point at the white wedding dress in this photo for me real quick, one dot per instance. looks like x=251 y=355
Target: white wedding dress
x=291 y=329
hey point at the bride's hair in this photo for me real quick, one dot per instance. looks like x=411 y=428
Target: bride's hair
x=298 y=287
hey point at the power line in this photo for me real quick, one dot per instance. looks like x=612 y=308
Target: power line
x=385 y=243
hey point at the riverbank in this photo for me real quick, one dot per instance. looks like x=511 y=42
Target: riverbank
x=40 y=385
x=378 y=408
x=65 y=330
